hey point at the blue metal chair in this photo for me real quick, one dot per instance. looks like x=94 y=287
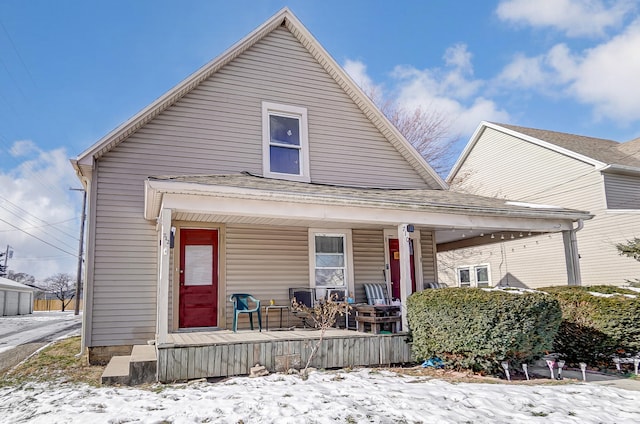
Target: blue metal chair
x=241 y=306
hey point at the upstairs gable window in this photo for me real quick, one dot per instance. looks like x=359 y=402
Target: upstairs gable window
x=285 y=144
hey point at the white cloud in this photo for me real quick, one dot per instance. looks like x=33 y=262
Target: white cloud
x=451 y=91
x=357 y=70
x=33 y=194
x=607 y=76
x=604 y=77
x=576 y=18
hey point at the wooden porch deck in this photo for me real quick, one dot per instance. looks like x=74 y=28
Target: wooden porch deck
x=190 y=355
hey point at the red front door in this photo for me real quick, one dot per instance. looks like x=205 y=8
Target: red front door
x=394 y=265
x=198 y=278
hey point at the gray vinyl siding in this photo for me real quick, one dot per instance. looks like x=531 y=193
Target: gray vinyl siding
x=368 y=260
x=265 y=262
x=505 y=166
x=216 y=129
x=622 y=191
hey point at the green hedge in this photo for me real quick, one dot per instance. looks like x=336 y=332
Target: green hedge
x=478 y=329
x=595 y=328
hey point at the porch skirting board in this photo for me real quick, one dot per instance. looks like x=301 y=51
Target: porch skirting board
x=222 y=354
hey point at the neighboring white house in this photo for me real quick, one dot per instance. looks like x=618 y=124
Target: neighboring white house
x=553 y=168
x=15 y=298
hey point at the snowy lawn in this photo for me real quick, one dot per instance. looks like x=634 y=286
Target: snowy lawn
x=363 y=395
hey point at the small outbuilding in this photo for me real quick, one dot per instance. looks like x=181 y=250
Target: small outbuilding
x=15 y=298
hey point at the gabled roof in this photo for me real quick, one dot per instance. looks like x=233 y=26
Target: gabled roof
x=8 y=284
x=84 y=162
x=598 y=152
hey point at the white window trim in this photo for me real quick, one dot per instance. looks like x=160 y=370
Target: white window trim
x=292 y=112
x=348 y=274
x=472 y=274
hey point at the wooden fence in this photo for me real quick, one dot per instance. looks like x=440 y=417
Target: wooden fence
x=53 y=305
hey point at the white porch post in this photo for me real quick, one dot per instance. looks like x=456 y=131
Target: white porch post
x=405 y=271
x=164 y=257
x=572 y=258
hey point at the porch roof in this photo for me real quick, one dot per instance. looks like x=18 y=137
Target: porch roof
x=249 y=194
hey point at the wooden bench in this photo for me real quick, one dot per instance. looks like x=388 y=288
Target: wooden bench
x=377 y=316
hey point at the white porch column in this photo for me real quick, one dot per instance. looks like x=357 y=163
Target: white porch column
x=405 y=271
x=164 y=259
x=572 y=258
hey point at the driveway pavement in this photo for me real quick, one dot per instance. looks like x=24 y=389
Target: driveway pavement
x=22 y=335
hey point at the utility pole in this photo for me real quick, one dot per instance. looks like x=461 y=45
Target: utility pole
x=76 y=310
x=8 y=254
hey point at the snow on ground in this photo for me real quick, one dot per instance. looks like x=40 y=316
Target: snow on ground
x=363 y=395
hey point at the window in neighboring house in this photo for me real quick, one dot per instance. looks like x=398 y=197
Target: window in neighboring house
x=482 y=275
x=285 y=144
x=464 y=277
x=474 y=276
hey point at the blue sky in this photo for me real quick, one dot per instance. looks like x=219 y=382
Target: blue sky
x=71 y=71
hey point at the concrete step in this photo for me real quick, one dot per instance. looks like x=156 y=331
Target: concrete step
x=138 y=368
x=116 y=372
x=143 y=365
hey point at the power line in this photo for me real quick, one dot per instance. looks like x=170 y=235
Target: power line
x=38 y=238
x=13 y=45
x=42 y=226
x=32 y=215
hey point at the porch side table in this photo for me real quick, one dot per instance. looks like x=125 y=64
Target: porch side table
x=281 y=308
x=376 y=316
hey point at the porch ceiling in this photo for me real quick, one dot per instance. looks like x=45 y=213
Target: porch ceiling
x=248 y=199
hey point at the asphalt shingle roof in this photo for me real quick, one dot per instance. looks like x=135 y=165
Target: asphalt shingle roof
x=607 y=151
x=402 y=198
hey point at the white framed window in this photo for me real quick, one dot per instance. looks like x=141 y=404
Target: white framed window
x=330 y=259
x=285 y=144
x=464 y=277
x=474 y=276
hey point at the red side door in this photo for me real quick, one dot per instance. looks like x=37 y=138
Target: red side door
x=394 y=267
x=198 y=278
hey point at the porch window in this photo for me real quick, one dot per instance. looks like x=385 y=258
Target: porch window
x=285 y=144
x=474 y=276
x=329 y=254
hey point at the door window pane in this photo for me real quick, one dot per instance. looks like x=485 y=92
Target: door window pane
x=198 y=265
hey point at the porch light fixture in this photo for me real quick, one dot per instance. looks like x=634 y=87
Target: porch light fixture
x=512 y=237
x=529 y=234
x=520 y=234
x=502 y=237
x=481 y=234
x=493 y=236
x=410 y=228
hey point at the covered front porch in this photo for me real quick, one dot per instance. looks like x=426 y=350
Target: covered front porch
x=190 y=355
x=263 y=233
